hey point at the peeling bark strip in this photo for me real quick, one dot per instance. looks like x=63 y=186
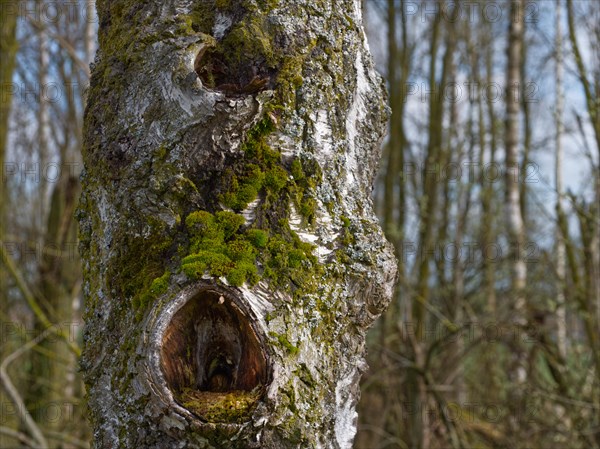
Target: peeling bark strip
x=232 y=259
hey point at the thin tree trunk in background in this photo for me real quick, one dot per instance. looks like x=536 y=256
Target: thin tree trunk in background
x=90 y=31
x=484 y=72
x=416 y=389
x=418 y=396
x=59 y=272
x=398 y=120
x=394 y=213
x=488 y=204
x=524 y=99
x=561 y=312
x=392 y=169
x=463 y=203
x=43 y=115
x=44 y=388
x=37 y=395
x=392 y=147
x=513 y=210
x=8 y=52
x=515 y=223
x=428 y=202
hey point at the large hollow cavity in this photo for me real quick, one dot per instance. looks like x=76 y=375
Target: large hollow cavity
x=212 y=358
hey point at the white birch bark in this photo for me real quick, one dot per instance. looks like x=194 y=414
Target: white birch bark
x=561 y=313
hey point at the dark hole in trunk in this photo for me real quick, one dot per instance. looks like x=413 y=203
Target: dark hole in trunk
x=212 y=359
x=248 y=77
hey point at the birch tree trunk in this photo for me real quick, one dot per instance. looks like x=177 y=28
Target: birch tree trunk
x=561 y=312
x=231 y=257
x=514 y=218
x=515 y=224
x=8 y=52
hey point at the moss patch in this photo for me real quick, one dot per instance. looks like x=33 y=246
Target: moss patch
x=221 y=245
x=218 y=247
x=283 y=342
x=232 y=407
x=159 y=286
x=261 y=170
x=138 y=268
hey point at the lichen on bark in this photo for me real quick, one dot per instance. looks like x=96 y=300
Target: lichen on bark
x=232 y=145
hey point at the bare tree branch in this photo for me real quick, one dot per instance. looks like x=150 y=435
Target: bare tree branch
x=32 y=301
x=24 y=415
x=65 y=44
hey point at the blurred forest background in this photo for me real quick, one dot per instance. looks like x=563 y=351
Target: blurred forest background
x=489 y=189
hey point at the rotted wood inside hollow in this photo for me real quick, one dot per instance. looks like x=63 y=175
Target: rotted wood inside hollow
x=210 y=350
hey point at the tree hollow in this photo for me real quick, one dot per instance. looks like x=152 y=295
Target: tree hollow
x=212 y=359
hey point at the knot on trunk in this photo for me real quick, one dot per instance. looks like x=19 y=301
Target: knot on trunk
x=237 y=56
x=216 y=72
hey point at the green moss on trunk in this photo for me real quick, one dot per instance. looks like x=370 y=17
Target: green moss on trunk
x=230 y=407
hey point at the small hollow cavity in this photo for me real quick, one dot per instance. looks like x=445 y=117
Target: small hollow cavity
x=212 y=359
x=216 y=73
